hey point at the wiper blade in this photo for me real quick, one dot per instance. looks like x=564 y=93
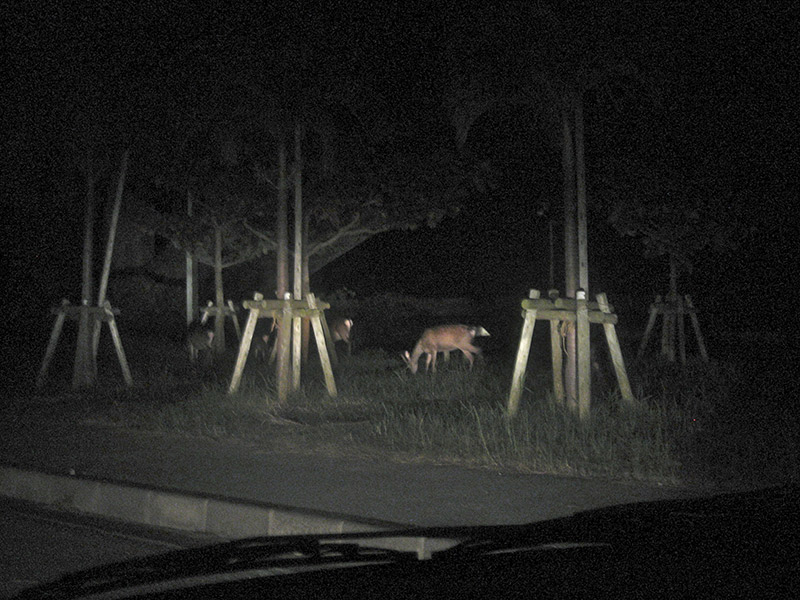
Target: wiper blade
x=497 y=539
x=268 y=555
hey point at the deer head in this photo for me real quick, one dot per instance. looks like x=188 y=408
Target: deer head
x=444 y=338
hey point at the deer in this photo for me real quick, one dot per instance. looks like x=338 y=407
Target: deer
x=444 y=338
x=340 y=332
x=199 y=338
x=339 y=328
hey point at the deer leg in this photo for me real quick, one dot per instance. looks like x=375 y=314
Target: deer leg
x=469 y=358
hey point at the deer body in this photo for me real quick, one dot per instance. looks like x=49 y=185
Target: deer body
x=444 y=338
x=199 y=339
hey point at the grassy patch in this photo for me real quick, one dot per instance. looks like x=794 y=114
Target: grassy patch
x=689 y=424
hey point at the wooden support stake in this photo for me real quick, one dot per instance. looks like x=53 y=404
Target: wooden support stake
x=668 y=331
x=96 y=316
x=283 y=351
x=112 y=325
x=681 y=330
x=206 y=312
x=616 y=353
x=112 y=233
x=297 y=350
x=51 y=345
x=316 y=323
x=696 y=325
x=329 y=341
x=651 y=321
x=235 y=320
x=521 y=363
x=673 y=310
x=557 y=355
x=244 y=346
x=584 y=356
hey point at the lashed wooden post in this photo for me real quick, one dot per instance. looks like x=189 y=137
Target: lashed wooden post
x=616 y=353
x=521 y=363
x=584 y=355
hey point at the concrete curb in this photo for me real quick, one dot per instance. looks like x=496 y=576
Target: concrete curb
x=199 y=513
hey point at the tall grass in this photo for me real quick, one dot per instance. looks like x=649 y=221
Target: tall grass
x=458 y=417
x=682 y=428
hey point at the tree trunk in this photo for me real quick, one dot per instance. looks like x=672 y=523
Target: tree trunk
x=192 y=291
x=112 y=235
x=580 y=194
x=551 y=240
x=306 y=288
x=673 y=277
x=570 y=253
x=219 y=296
x=583 y=343
x=282 y=233
x=83 y=370
x=298 y=254
x=282 y=278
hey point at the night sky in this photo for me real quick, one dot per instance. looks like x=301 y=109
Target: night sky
x=725 y=81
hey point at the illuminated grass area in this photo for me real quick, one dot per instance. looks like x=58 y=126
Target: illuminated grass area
x=689 y=425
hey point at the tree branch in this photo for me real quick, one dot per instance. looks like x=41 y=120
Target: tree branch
x=348 y=231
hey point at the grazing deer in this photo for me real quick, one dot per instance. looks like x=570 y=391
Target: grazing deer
x=444 y=339
x=340 y=331
x=260 y=346
x=199 y=339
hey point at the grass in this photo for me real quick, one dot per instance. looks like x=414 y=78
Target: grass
x=688 y=425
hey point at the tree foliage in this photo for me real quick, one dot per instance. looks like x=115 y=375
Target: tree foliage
x=673 y=216
x=361 y=176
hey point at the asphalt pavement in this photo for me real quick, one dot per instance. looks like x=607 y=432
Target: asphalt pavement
x=235 y=490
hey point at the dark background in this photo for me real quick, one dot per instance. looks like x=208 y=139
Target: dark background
x=727 y=107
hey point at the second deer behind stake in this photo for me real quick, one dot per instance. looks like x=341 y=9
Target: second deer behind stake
x=340 y=331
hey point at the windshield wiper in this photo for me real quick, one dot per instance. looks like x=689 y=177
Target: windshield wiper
x=263 y=555
x=756 y=520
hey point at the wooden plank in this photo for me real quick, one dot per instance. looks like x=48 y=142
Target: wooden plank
x=566 y=304
x=696 y=324
x=329 y=340
x=277 y=305
x=616 y=355
x=207 y=310
x=283 y=350
x=297 y=348
x=681 y=331
x=668 y=336
x=521 y=363
x=73 y=313
x=112 y=233
x=123 y=362
x=595 y=316
x=651 y=321
x=51 y=345
x=244 y=350
x=557 y=358
x=316 y=323
x=235 y=318
x=584 y=358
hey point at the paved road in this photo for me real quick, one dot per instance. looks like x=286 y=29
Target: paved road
x=38 y=544
x=403 y=493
